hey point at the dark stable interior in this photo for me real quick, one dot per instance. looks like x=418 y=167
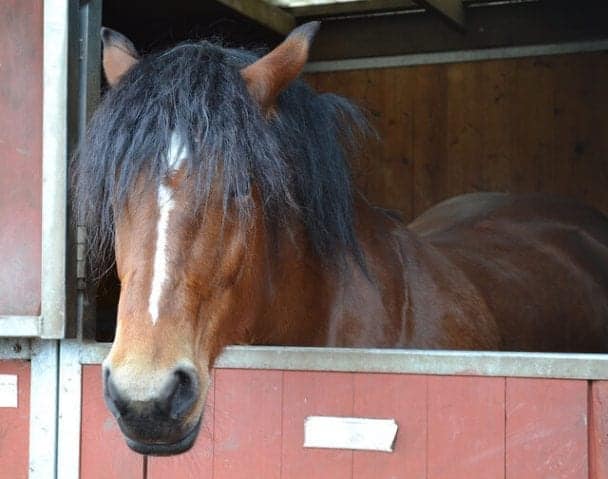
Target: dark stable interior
x=155 y=25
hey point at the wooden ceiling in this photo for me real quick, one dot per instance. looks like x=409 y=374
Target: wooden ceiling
x=282 y=15
x=361 y=28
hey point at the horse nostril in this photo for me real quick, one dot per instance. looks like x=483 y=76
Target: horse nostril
x=115 y=402
x=180 y=394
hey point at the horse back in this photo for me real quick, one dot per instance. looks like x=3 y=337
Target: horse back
x=540 y=264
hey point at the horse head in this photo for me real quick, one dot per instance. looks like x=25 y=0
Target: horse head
x=189 y=273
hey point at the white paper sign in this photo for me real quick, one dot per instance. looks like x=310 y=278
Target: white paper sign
x=350 y=433
x=8 y=390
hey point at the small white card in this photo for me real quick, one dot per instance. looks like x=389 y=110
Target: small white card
x=8 y=390
x=350 y=433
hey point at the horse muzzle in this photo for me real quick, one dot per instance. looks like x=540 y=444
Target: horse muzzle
x=160 y=424
x=165 y=449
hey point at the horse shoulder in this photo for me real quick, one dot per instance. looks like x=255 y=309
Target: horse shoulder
x=427 y=301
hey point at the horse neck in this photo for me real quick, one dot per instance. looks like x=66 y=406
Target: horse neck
x=312 y=303
x=296 y=288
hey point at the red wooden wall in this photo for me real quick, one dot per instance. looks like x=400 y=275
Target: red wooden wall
x=14 y=424
x=103 y=452
x=449 y=427
x=20 y=155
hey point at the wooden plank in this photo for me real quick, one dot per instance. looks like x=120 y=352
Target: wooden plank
x=397 y=118
x=430 y=149
x=598 y=145
x=314 y=394
x=496 y=80
x=472 y=105
x=546 y=429
x=247 y=424
x=463 y=168
x=14 y=424
x=263 y=13
x=465 y=427
x=580 y=102
x=531 y=124
x=198 y=462
x=350 y=7
x=103 y=451
x=571 y=132
x=21 y=25
x=598 y=430
x=399 y=397
x=450 y=10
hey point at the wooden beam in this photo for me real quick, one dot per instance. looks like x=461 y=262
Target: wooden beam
x=450 y=10
x=263 y=13
x=352 y=7
x=504 y=25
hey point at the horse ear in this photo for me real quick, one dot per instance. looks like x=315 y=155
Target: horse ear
x=270 y=75
x=119 y=55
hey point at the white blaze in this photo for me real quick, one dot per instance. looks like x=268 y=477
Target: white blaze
x=176 y=154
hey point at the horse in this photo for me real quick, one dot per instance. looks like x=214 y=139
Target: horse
x=222 y=183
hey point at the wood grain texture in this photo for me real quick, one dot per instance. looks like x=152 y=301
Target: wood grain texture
x=449 y=427
x=20 y=155
x=402 y=398
x=314 y=394
x=14 y=424
x=103 y=451
x=496 y=89
x=546 y=429
x=465 y=427
x=514 y=125
x=247 y=424
x=430 y=143
x=598 y=430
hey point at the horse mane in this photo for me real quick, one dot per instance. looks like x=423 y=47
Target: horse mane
x=297 y=159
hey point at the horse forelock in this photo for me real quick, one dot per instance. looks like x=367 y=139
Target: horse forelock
x=297 y=159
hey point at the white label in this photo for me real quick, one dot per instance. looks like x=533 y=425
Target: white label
x=350 y=433
x=8 y=390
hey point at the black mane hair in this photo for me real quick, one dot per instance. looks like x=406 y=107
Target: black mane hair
x=297 y=159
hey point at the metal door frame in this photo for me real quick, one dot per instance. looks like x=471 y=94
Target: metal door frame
x=44 y=366
x=51 y=321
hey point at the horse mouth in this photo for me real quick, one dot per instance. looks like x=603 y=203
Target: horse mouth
x=165 y=449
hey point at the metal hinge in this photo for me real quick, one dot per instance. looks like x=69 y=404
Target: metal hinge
x=82 y=49
x=81 y=257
